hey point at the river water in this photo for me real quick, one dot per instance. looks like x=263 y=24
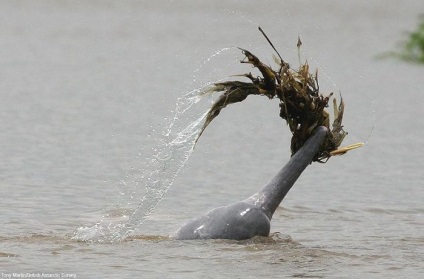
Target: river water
x=88 y=94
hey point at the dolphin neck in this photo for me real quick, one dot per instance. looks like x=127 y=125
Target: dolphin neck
x=271 y=195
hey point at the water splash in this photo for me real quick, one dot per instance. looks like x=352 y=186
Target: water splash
x=373 y=108
x=162 y=168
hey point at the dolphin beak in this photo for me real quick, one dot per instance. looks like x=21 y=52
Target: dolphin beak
x=343 y=150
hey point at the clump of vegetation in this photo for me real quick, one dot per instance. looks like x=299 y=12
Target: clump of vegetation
x=301 y=104
x=412 y=49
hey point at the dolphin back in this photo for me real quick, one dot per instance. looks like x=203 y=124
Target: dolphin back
x=236 y=221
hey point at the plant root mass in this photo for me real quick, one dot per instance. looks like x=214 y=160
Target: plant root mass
x=301 y=104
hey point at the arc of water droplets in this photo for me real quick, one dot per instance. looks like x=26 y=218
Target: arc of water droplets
x=161 y=170
x=164 y=167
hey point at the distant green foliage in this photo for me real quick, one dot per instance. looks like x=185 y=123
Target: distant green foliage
x=413 y=48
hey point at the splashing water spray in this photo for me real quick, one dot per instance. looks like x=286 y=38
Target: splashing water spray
x=161 y=169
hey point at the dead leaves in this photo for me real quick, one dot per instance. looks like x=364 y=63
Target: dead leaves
x=301 y=104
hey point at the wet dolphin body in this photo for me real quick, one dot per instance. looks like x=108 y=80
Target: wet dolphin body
x=252 y=216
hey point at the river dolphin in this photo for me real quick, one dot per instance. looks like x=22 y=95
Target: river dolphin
x=252 y=216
